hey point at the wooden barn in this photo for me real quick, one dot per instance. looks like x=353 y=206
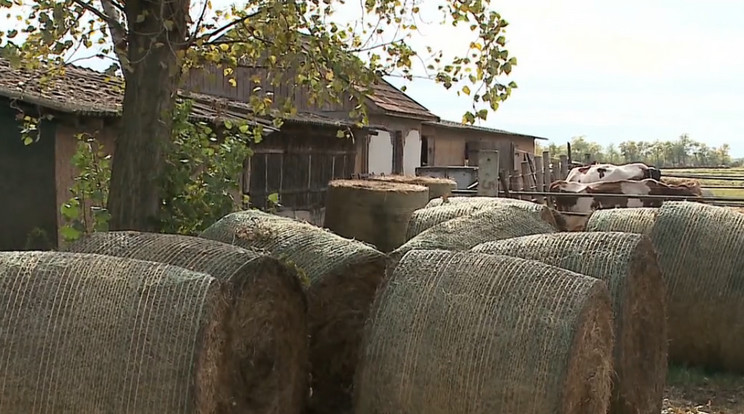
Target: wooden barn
x=393 y=143
x=297 y=161
x=451 y=143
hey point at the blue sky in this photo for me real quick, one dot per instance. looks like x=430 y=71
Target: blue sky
x=610 y=71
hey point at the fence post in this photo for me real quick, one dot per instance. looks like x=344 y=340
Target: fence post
x=488 y=173
x=514 y=181
x=564 y=167
x=526 y=179
x=547 y=179
x=539 y=178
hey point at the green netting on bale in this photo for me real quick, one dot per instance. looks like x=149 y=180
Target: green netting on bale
x=461 y=332
x=479 y=199
x=428 y=217
x=88 y=333
x=627 y=263
x=463 y=233
x=344 y=275
x=701 y=253
x=314 y=250
x=270 y=340
x=629 y=220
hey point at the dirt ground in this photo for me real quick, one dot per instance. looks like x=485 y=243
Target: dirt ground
x=695 y=391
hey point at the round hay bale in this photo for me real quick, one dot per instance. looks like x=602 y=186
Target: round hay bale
x=461 y=332
x=343 y=277
x=269 y=334
x=701 y=254
x=628 y=220
x=91 y=333
x=425 y=218
x=375 y=212
x=438 y=187
x=466 y=232
x=436 y=202
x=627 y=263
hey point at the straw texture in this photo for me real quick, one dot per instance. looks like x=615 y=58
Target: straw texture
x=343 y=276
x=375 y=212
x=438 y=187
x=627 y=263
x=466 y=232
x=89 y=333
x=629 y=220
x=426 y=218
x=269 y=338
x=701 y=254
x=461 y=332
x=479 y=199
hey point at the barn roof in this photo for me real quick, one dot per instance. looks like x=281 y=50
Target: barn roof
x=393 y=101
x=459 y=125
x=87 y=92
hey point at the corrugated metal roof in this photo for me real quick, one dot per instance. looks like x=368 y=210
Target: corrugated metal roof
x=459 y=125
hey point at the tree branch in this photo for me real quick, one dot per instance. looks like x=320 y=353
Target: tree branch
x=101 y=15
x=228 y=26
x=118 y=34
x=198 y=23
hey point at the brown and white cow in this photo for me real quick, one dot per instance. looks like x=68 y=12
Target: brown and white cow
x=609 y=172
x=585 y=204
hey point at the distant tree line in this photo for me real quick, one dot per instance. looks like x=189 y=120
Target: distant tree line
x=682 y=152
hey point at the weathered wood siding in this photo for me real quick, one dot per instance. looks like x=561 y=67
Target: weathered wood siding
x=297 y=163
x=211 y=80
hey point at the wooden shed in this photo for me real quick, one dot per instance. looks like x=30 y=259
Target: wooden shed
x=450 y=143
x=297 y=160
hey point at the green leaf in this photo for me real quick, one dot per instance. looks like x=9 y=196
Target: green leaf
x=244 y=128
x=69 y=233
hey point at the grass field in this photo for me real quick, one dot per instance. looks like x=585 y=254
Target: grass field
x=719 y=172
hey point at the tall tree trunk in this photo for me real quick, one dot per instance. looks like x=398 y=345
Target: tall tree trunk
x=151 y=67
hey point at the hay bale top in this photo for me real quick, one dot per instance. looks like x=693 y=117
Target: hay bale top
x=463 y=233
x=378 y=186
x=139 y=336
x=413 y=179
x=436 y=202
x=429 y=216
x=514 y=335
x=629 y=220
x=314 y=250
x=218 y=259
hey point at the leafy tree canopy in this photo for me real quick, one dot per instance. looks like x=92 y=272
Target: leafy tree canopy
x=329 y=45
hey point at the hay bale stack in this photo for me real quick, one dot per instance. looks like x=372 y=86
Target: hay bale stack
x=628 y=220
x=461 y=332
x=466 y=232
x=425 y=218
x=343 y=276
x=701 y=253
x=90 y=333
x=375 y=212
x=438 y=187
x=269 y=337
x=627 y=263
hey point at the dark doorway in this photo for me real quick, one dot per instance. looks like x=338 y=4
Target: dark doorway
x=424 y=150
x=28 y=211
